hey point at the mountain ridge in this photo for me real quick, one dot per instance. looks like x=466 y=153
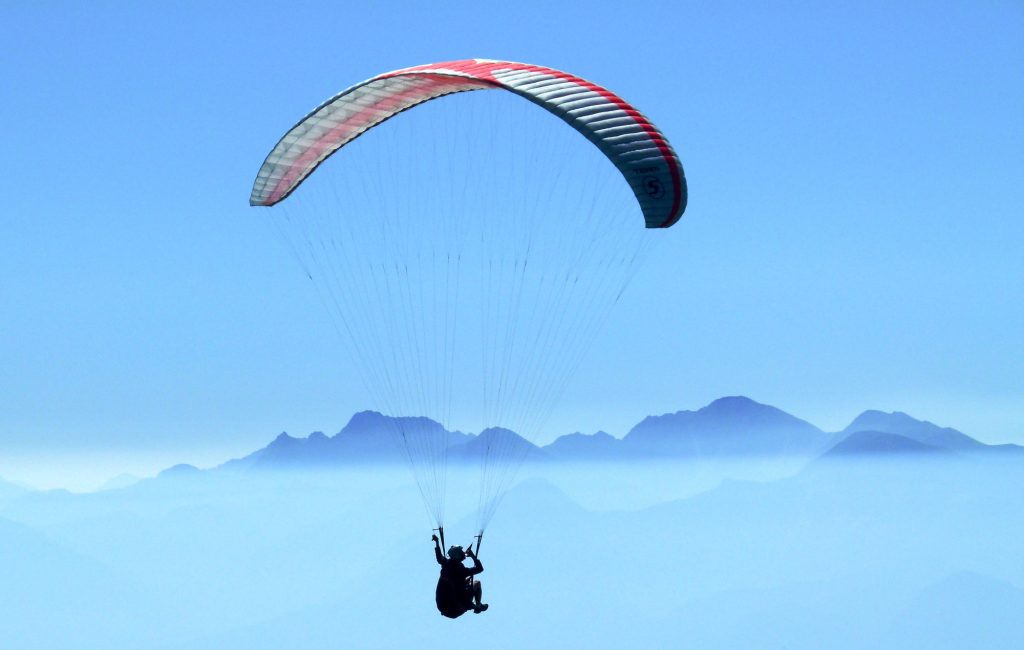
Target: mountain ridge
x=732 y=426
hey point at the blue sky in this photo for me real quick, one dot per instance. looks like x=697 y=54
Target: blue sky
x=853 y=238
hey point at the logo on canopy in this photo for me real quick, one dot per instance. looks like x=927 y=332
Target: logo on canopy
x=653 y=187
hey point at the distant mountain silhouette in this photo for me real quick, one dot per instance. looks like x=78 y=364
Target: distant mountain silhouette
x=908 y=427
x=730 y=426
x=182 y=470
x=496 y=440
x=923 y=432
x=580 y=446
x=862 y=443
x=727 y=427
x=369 y=437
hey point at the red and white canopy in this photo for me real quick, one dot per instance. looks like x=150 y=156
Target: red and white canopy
x=634 y=145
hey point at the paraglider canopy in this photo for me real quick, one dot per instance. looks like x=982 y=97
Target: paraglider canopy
x=634 y=145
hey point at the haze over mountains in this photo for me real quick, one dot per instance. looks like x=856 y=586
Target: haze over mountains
x=745 y=530
x=728 y=427
x=849 y=555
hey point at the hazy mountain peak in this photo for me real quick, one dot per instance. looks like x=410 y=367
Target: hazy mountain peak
x=373 y=422
x=496 y=433
x=872 y=416
x=879 y=442
x=734 y=425
x=284 y=441
x=363 y=420
x=367 y=414
x=602 y=436
x=739 y=407
x=179 y=470
x=734 y=404
x=921 y=431
x=504 y=439
x=582 y=446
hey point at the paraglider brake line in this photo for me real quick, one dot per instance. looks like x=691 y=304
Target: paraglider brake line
x=440 y=531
